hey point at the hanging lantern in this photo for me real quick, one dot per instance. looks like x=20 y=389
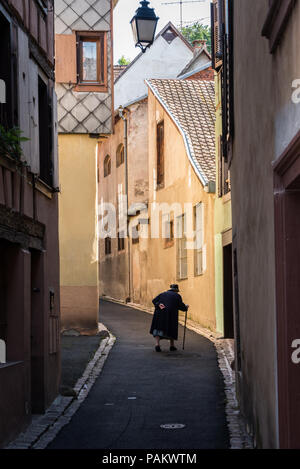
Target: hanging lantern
x=144 y=25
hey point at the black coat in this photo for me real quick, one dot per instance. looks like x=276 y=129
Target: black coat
x=166 y=320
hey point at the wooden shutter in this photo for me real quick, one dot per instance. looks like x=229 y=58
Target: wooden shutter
x=217 y=18
x=231 y=67
x=228 y=85
x=65 y=58
x=160 y=153
x=15 y=84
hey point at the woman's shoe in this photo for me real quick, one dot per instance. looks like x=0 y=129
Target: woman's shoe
x=173 y=349
x=157 y=348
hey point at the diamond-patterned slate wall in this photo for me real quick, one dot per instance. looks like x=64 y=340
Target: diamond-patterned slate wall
x=84 y=112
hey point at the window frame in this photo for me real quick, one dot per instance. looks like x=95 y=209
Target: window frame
x=101 y=84
x=199 y=250
x=168 y=227
x=120 y=156
x=9 y=111
x=107 y=160
x=160 y=155
x=181 y=241
x=46 y=123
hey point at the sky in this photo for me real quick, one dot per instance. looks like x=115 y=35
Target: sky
x=123 y=40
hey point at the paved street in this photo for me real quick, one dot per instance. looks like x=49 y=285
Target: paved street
x=139 y=390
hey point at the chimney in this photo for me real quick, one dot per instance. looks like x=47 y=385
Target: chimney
x=199 y=44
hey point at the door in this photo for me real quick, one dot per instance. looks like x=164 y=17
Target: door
x=37 y=334
x=228 y=292
x=287 y=255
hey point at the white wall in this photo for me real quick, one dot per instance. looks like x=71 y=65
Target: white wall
x=162 y=60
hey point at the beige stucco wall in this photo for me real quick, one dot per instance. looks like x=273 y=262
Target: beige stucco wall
x=155 y=268
x=266 y=120
x=78 y=231
x=113 y=269
x=152 y=266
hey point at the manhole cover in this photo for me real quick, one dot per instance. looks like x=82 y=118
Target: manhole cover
x=173 y=426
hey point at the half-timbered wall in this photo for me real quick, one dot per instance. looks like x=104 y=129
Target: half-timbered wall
x=82 y=112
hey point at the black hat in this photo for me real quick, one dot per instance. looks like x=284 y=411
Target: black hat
x=174 y=288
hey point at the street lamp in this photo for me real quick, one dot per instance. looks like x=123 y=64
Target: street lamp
x=144 y=26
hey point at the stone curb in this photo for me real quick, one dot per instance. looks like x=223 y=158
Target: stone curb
x=43 y=429
x=239 y=437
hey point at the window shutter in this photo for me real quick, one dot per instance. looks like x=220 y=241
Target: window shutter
x=160 y=153
x=200 y=225
x=65 y=58
x=231 y=68
x=217 y=9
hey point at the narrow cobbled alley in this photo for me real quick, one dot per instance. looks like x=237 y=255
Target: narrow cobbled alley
x=139 y=390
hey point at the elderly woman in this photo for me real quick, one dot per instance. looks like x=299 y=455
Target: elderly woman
x=165 y=320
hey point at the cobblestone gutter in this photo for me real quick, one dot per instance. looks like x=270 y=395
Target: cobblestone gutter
x=44 y=428
x=239 y=438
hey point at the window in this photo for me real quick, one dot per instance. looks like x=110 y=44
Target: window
x=217 y=32
x=160 y=154
x=222 y=53
x=120 y=155
x=8 y=73
x=224 y=174
x=92 y=61
x=276 y=22
x=121 y=241
x=168 y=230
x=199 y=228
x=135 y=234
x=45 y=132
x=107 y=246
x=107 y=166
x=182 y=258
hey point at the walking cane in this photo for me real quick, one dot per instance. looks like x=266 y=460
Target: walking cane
x=184 y=330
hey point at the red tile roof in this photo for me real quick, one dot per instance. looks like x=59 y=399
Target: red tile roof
x=191 y=105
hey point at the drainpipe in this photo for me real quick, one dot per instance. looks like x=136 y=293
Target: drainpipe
x=123 y=116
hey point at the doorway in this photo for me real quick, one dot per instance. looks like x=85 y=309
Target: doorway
x=37 y=334
x=228 y=292
x=287 y=257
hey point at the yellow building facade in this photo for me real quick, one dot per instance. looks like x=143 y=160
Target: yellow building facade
x=176 y=153
x=222 y=231
x=78 y=232
x=156 y=261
